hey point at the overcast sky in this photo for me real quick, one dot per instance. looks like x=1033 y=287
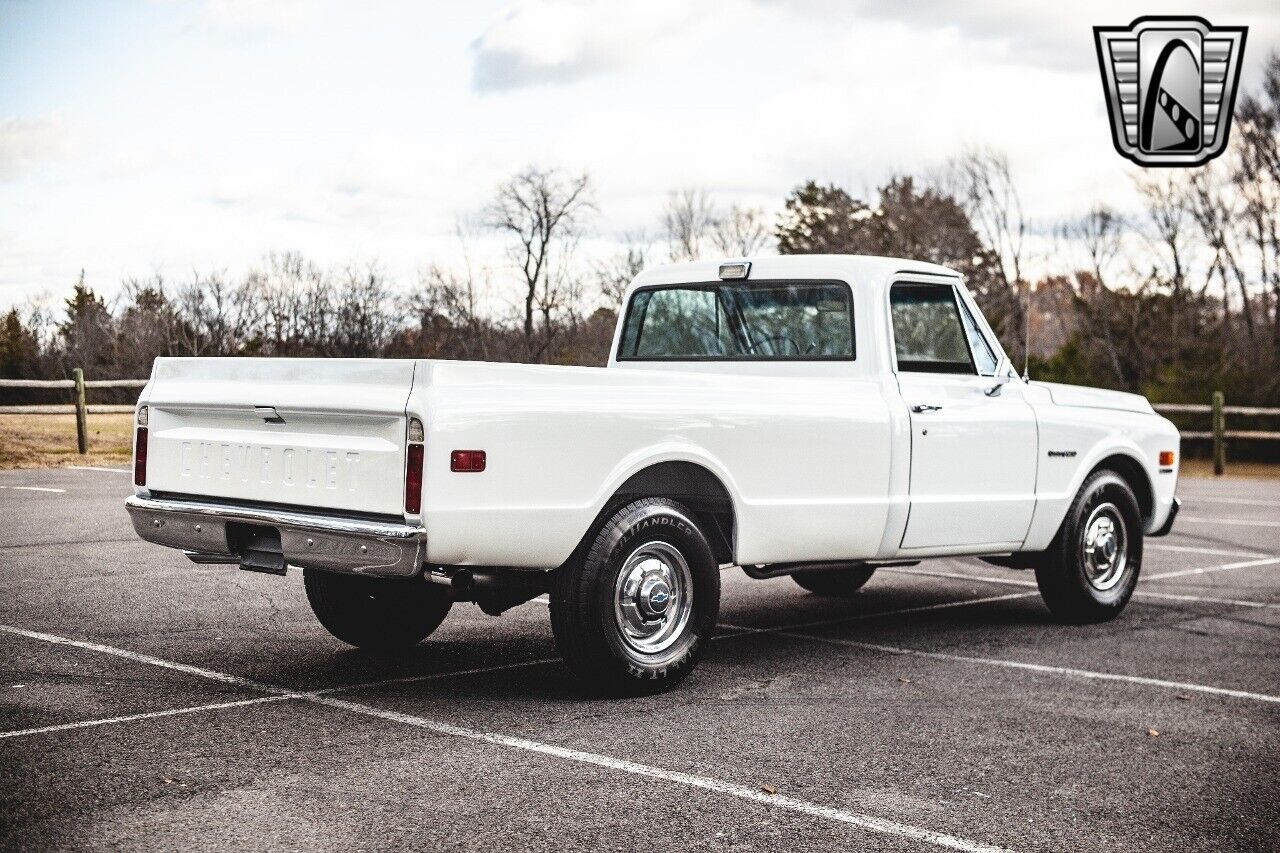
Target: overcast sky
x=140 y=137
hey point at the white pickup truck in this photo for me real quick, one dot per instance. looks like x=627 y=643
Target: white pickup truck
x=812 y=416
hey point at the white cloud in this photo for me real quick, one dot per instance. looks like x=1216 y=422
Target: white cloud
x=363 y=132
x=558 y=41
x=257 y=16
x=27 y=143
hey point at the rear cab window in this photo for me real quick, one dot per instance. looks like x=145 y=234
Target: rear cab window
x=740 y=321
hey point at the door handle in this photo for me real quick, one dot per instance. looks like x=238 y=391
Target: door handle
x=925 y=407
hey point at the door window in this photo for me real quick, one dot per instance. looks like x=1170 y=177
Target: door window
x=929 y=335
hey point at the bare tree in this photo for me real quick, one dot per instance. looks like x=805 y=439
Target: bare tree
x=616 y=273
x=982 y=181
x=742 y=231
x=1100 y=232
x=542 y=210
x=1216 y=210
x=362 y=318
x=1165 y=196
x=688 y=220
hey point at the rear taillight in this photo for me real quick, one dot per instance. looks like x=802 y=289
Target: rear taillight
x=413 y=468
x=140 y=457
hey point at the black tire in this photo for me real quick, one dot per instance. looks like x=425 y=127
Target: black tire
x=835 y=581
x=1073 y=587
x=649 y=539
x=379 y=614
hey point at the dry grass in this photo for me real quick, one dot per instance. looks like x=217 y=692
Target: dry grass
x=49 y=441
x=1203 y=468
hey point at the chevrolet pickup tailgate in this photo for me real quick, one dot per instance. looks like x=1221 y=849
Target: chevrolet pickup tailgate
x=324 y=433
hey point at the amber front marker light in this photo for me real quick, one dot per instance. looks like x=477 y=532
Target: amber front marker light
x=1166 y=458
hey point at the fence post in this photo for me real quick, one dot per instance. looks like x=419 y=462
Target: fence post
x=82 y=413
x=1219 y=435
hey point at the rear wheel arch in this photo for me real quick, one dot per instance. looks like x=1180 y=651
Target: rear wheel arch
x=694 y=486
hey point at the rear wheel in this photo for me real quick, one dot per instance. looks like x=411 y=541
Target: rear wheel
x=635 y=613
x=1090 y=570
x=380 y=614
x=835 y=581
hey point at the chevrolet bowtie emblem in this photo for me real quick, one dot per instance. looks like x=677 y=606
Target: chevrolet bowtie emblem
x=1170 y=84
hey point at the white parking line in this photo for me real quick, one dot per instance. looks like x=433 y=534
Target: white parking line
x=1244 y=522
x=85 y=724
x=1234 y=602
x=34 y=489
x=413 y=679
x=706 y=783
x=1037 y=667
x=957 y=575
x=742 y=630
x=96 y=468
x=191 y=709
x=1247 y=564
x=138 y=657
x=1146 y=593
x=1242 y=501
x=1190 y=549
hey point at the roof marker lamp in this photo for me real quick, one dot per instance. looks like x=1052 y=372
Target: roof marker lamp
x=736 y=269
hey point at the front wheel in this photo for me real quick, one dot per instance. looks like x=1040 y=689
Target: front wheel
x=380 y=614
x=635 y=613
x=1090 y=570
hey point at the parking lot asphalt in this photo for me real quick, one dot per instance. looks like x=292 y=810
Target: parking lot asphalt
x=150 y=704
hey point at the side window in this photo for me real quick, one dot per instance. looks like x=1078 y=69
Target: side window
x=928 y=333
x=983 y=357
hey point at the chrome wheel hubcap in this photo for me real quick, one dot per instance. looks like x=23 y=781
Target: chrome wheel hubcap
x=653 y=598
x=1106 y=552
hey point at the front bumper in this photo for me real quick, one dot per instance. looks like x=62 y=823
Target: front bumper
x=1168 y=521
x=309 y=540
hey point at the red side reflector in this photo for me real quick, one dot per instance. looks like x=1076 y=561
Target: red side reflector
x=140 y=457
x=467 y=461
x=1166 y=458
x=413 y=480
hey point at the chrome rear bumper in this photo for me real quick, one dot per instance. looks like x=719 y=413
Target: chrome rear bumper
x=309 y=540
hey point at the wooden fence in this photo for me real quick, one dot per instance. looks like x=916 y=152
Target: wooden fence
x=1218 y=432
x=1217 y=410
x=77 y=385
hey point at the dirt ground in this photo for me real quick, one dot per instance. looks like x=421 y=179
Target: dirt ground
x=49 y=441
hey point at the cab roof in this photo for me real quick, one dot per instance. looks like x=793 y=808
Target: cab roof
x=858 y=270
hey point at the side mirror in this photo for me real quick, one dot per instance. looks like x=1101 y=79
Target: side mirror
x=1002 y=377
